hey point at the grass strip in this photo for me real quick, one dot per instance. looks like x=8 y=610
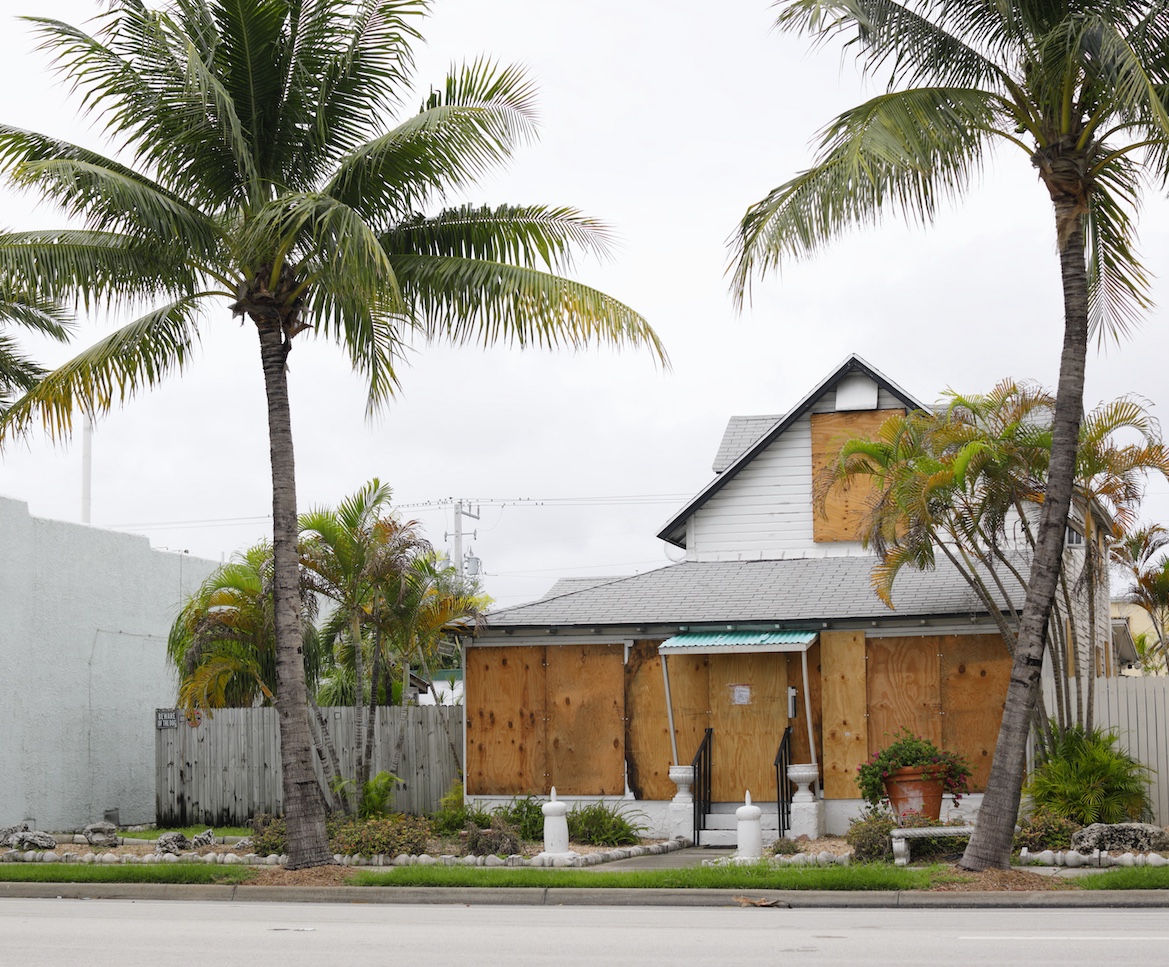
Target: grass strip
x=1127 y=878
x=760 y=877
x=87 y=873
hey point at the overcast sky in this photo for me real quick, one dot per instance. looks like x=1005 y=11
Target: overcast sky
x=666 y=120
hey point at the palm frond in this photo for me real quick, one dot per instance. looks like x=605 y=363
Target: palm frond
x=134 y=357
x=904 y=150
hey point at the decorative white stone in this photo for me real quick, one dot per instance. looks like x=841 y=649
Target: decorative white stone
x=1047 y=857
x=210 y=859
x=168 y=858
x=50 y=857
x=425 y=860
x=129 y=858
x=1125 y=859
x=1072 y=859
x=492 y=860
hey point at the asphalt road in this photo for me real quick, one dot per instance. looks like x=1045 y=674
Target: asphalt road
x=149 y=933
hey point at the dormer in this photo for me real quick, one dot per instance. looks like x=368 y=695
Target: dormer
x=759 y=504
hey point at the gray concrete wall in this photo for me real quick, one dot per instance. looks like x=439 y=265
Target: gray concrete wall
x=84 y=616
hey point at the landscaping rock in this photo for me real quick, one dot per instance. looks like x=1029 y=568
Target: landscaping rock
x=205 y=838
x=1120 y=838
x=172 y=843
x=8 y=833
x=33 y=840
x=101 y=834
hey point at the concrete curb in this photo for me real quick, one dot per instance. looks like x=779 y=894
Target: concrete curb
x=545 y=896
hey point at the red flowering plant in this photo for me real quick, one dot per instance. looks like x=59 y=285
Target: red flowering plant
x=912 y=751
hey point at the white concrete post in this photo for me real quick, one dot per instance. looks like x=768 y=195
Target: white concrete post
x=750 y=819
x=680 y=813
x=555 y=825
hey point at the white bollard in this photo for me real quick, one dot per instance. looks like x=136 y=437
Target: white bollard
x=750 y=830
x=555 y=825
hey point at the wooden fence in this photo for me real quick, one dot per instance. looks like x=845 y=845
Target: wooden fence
x=227 y=768
x=1138 y=709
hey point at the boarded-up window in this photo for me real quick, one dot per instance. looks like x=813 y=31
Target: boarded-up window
x=846 y=508
x=948 y=688
x=539 y=717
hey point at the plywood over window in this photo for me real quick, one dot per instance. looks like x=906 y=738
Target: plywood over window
x=842 y=663
x=846 y=507
x=505 y=695
x=976 y=670
x=585 y=740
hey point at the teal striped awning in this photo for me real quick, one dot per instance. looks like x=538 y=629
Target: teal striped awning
x=737 y=642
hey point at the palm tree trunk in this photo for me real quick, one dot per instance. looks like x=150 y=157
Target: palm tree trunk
x=990 y=846
x=304 y=812
x=360 y=771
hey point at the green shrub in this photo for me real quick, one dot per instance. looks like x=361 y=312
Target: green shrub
x=869 y=837
x=499 y=839
x=601 y=824
x=526 y=815
x=1044 y=830
x=269 y=835
x=454 y=814
x=385 y=835
x=785 y=847
x=1087 y=779
x=377 y=794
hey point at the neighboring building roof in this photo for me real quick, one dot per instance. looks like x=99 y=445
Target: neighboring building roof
x=675 y=529
x=568 y=585
x=740 y=433
x=707 y=592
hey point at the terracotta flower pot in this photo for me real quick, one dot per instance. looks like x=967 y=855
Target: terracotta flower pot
x=908 y=790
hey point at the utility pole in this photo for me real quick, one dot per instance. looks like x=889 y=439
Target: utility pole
x=460 y=513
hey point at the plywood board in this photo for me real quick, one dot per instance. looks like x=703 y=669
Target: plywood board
x=585 y=742
x=748 y=712
x=690 y=696
x=903 y=688
x=505 y=690
x=976 y=670
x=648 y=753
x=846 y=508
x=844 y=696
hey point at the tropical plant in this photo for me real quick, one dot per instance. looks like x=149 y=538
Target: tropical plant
x=1149 y=589
x=269 y=177
x=526 y=814
x=904 y=751
x=1087 y=779
x=1078 y=88
x=603 y=824
x=454 y=814
x=1045 y=830
x=223 y=642
x=349 y=554
x=965 y=482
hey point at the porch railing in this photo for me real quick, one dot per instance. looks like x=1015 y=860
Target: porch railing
x=701 y=766
x=783 y=789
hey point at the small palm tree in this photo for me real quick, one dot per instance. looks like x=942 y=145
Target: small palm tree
x=275 y=176
x=1077 y=86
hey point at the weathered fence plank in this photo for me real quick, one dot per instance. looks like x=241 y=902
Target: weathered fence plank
x=227 y=768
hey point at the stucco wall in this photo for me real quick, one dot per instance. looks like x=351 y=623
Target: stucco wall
x=84 y=615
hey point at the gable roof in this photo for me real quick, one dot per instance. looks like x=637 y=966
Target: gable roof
x=704 y=592
x=675 y=530
x=740 y=433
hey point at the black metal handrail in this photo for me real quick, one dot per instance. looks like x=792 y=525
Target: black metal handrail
x=701 y=766
x=783 y=789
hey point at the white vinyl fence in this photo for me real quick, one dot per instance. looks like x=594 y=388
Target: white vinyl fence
x=1138 y=709
x=226 y=768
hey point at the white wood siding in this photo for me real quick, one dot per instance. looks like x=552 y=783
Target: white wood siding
x=765 y=510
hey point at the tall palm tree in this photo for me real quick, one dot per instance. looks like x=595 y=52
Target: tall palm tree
x=1077 y=86
x=268 y=176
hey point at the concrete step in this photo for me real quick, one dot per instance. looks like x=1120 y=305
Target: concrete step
x=730 y=807
x=730 y=821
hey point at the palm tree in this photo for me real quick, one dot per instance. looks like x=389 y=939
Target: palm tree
x=1079 y=87
x=223 y=642
x=350 y=554
x=265 y=178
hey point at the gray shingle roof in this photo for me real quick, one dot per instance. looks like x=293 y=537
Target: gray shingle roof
x=740 y=433
x=797 y=589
